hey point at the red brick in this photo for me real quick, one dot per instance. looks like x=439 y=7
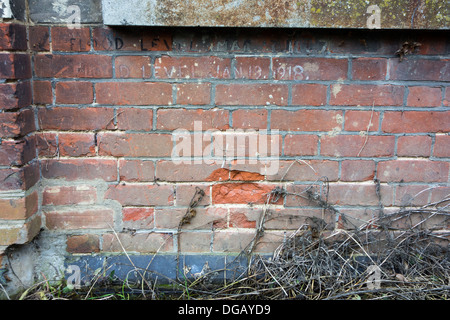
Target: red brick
x=16 y=123
x=47 y=145
x=74 y=92
x=362 y=194
x=251 y=94
x=15 y=95
x=195 y=242
x=141 y=194
x=252 y=68
x=232 y=240
x=229 y=193
x=42 y=92
x=442 y=146
x=350 y=146
x=68 y=118
x=108 y=39
x=136 y=170
x=357 y=170
x=76 y=219
x=75 y=39
x=22 y=178
x=205 y=219
x=250 y=119
x=138 y=217
x=75 y=169
x=142 y=242
x=419 y=69
x=446 y=101
x=132 y=93
x=135 y=119
x=412 y=195
x=309 y=69
x=86 y=243
x=300 y=145
x=366 y=95
x=72 y=66
x=167 y=67
x=76 y=144
x=356 y=120
x=167 y=170
x=19 y=208
x=369 y=69
x=244 y=217
x=15 y=66
x=172 y=119
x=424 y=97
x=306 y=120
x=414 y=146
x=13 y=36
x=420 y=170
x=17 y=152
x=133 y=67
x=416 y=121
x=309 y=94
x=39 y=38
x=118 y=144
x=69 y=195
x=194 y=93
x=310 y=170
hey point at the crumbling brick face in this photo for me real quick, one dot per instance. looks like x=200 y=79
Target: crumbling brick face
x=110 y=107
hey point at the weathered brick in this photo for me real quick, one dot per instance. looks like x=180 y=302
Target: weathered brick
x=193 y=93
x=369 y=69
x=446 y=101
x=358 y=120
x=17 y=152
x=250 y=119
x=205 y=218
x=74 y=169
x=133 y=67
x=357 y=146
x=300 y=145
x=42 y=92
x=310 y=170
x=406 y=170
x=22 y=178
x=15 y=95
x=24 y=234
x=69 y=195
x=309 y=69
x=136 y=170
x=252 y=68
x=251 y=94
x=71 y=118
x=132 y=93
x=108 y=39
x=142 y=242
x=414 y=146
x=167 y=67
x=141 y=194
x=309 y=94
x=74 y=92
x=292 y=219
x=77 y=144
x=357 y=170
x=72 y=66
x=232 y=241
x=419 y=69
x=80 y=218
x=424 y=97
x=86 y=243
x=14 y=124
x=19 y=208
x=135 y=119
x=366 y=95
x=228 y=193
x=306 y=120
x=138 y=218
x=120 y=144
x=185 y=192
x=442 y=146
x=359 y=194
x=39 y=38
x=13 y=36
x=172 y=119
x=74 y=39
x=416 y=121
x=167 y=170
x=46 y=143
x=195 y=242
x=412 y=195
x=15 y=66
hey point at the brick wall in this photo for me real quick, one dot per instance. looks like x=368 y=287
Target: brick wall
x=99 y=133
